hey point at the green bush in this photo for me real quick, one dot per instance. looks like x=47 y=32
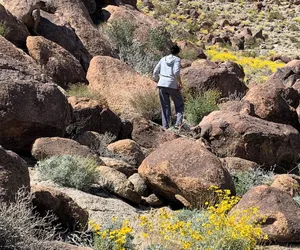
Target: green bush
x=121 y=32
x=204 y=103
x=68 y=171
x=159 y=40
x=147 y=104
x=245 y=180
x=140 y=56
x=21 y=229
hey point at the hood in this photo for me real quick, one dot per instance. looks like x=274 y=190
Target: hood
x=170 y=59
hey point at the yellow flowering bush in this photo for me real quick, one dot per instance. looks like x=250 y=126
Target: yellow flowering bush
x=213 y=228
x=258 y=66
x=116 y=236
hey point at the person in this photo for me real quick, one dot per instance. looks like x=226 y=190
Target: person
x=167 y=73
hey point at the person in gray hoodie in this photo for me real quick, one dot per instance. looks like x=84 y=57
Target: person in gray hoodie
x=167 y=73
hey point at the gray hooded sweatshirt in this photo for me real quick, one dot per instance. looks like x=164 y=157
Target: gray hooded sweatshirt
x=168 y=69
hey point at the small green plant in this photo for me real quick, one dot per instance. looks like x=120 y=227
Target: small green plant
x=147 y=104
x=2 y=29
x=275 y=15
x=204 y=103
x=68 y=171
x=245 y=180
x=81 y=90
x=21 y=228
x=297 y=199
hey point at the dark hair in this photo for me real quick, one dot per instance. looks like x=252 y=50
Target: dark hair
x=174 y=50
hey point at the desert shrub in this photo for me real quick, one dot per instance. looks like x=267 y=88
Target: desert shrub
x=204 y=103
x=140 y=56
x=294 y=27
x=163 y=7
x=68 y=171
x=245 y=180
x=159 y=40
x=81 y=90
x=80 y=238
x=147 y=104
x=114 y=236
x=21 y=229
x=212 y=228
x=275 y=15
x=121 y=32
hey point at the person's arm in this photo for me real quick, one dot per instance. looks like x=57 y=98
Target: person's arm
x=156 y=71
x=177 y=73
x=178 y=78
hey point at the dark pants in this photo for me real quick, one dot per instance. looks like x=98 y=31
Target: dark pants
x=164 y=96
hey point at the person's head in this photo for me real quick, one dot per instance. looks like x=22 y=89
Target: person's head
x=174 y=50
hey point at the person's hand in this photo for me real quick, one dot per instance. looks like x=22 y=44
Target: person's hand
x=179 y=87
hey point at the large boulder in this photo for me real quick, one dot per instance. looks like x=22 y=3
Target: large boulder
x=205 y=77
x=240 y=106
x=14 y=31
x=278 y=212
x=128 y=149
x=16 y=65
x=70 y=216
x=95 y=141
x=288 y=183
x=143 y=23
x=118 y=83
x=89 y=115
x=269 y=104
x=101 y=209
x=251 y=138
x=288 y=75
x=46 y=147
x=235 y=164
x=184 y=167
x=68 y=23
x=139 y=184
x=31 y=110
x=91 y=5
x=117 y=183
x=234 y=68
x=120 y=165
x=57 y=62
x=150 y=136
x=23 y=10
x=13 y=175
x=32 y=106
